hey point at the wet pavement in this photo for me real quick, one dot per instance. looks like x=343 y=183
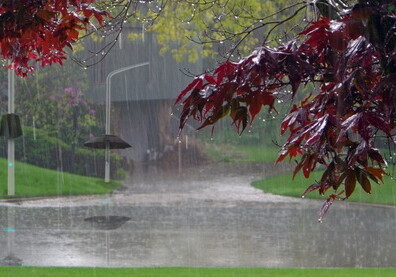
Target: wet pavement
x=204 y=216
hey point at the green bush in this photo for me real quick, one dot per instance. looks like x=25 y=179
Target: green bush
x=264 y=132
x=44 y=149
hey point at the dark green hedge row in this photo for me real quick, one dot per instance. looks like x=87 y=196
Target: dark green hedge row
x=44 y=149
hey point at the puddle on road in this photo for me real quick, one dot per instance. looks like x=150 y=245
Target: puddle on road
x=255 y=234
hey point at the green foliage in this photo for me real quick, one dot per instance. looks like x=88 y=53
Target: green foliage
x=33 y=181
x=53 y=99
x=57 y=120
x=240 y=153
x=42 y=148
x=41 y=100
x=195 y=29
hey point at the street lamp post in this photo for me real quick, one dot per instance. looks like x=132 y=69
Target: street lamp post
x=11 y=131
x=108 y=106
x=11 y=141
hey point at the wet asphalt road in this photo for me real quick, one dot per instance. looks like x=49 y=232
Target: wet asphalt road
x=196 y=220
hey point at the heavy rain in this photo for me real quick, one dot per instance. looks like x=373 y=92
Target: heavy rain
x=95 y=171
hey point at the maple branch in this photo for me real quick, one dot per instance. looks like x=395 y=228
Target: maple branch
x=120 y=19
x=278 y=23
x=247 y=30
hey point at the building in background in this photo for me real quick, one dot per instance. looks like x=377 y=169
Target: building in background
x=143 y=97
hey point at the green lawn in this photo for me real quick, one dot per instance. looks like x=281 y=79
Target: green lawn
x=33 y=181
x=193 y=272
x=284 y=185
x=241 y=153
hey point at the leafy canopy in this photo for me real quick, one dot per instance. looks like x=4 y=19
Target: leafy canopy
x=198 y=28
x=348 y=53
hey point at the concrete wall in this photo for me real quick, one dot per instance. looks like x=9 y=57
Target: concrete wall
x=162 y=79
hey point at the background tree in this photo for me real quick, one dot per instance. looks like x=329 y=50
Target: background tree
x=57 y=119
x=198 y=28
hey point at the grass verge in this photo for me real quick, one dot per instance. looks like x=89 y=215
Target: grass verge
x=193 y=272
x=241 y=153
x=284 y=185
x=33 y=181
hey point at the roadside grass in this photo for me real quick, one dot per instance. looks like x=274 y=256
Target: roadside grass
x=33 y=181
x=241 y=153
x=284 y=185
x=194 y=272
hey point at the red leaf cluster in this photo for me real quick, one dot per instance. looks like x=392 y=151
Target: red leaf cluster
x=351 y=61
x=40 y=30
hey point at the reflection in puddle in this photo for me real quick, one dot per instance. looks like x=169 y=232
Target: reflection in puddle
x=251 y=234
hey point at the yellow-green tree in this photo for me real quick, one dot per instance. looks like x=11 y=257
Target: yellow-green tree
x=203 y=28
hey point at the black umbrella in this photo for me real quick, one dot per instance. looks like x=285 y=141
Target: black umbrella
x=113 y=142
x=10 y=126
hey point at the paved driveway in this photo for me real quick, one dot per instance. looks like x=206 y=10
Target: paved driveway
x=205 y=216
